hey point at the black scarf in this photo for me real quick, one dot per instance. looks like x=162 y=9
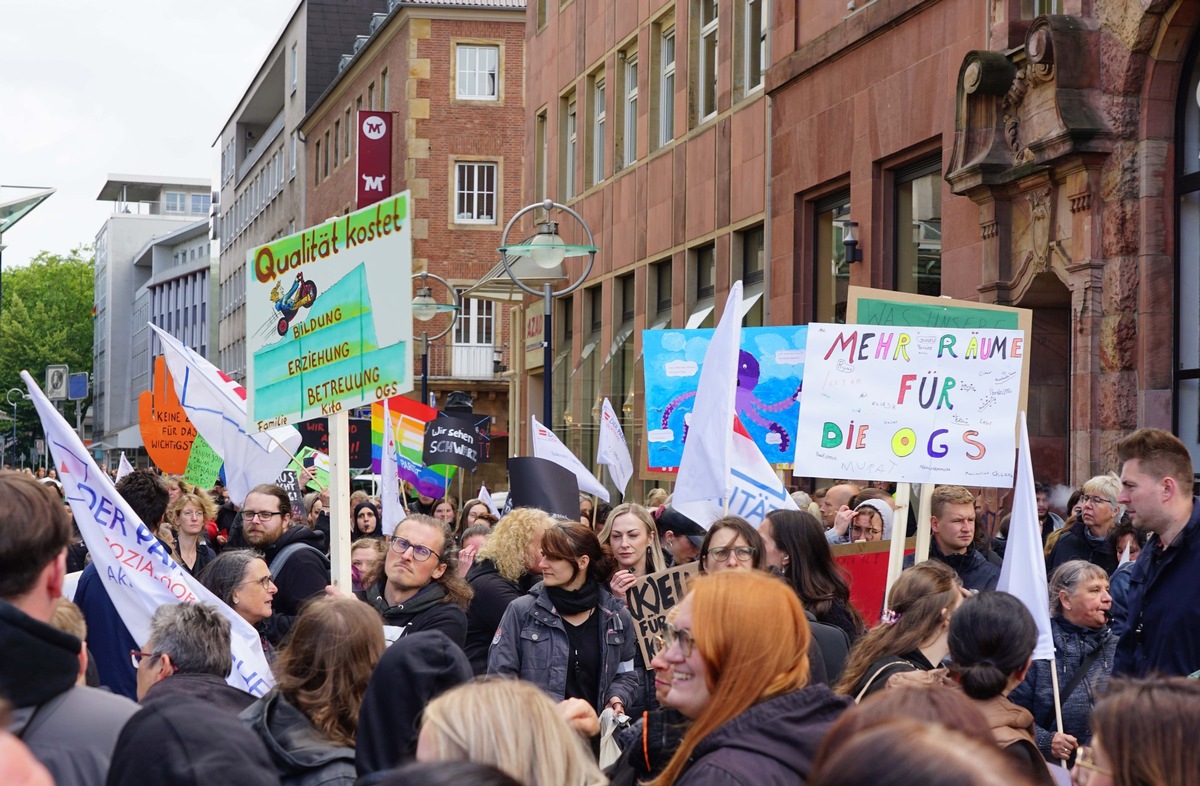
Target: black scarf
x=568 y=602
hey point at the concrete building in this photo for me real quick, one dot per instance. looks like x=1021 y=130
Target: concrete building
x=144 y=208
x=262 y=165
x=453 y=77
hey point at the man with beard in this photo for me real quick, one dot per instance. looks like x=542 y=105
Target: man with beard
x=294 y=554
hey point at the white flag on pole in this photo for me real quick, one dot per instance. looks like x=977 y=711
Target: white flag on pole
x=548 y=446
x=216 y=406
x=389 y=478
x=613 y=450
x=485 y=497
x=753 y=487
x=137 y=570
x=704 y=465
x=124 y=467
x=1024 y=571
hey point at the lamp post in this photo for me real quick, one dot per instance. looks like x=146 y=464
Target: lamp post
x=850 y=241
x=8 y=397
x=547 y=250
x=425 y=308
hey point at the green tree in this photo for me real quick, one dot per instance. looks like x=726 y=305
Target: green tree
x=45 y=318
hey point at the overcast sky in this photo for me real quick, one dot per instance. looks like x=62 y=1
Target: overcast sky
x=132 y=87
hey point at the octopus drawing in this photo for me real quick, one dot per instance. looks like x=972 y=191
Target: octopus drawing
x=750 y=408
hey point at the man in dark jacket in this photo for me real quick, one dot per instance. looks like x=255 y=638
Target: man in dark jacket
x=420 y=588
x=189 y=655
x=952 y=521
x=70 y=729
x=295 y=555
x=1162 y=632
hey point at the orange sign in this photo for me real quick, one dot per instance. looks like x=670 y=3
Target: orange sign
x=166 y=430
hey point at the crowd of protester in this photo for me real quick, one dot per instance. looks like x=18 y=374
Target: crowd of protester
x=485 y=649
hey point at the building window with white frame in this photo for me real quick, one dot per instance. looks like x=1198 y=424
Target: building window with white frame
x=629 y=146
x=176 y=202
x=754 y=44
x=598 y=121
x=706 y=72
x=477 y=73
x=570 y=146
x=474 y=193
x=666 y=90
x=295 y=67
x=474 y=338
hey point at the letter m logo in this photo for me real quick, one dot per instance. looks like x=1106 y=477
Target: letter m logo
x=372 y=183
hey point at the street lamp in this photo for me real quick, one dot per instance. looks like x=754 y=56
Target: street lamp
x=425 y=308
x=8 y=397
x=547 y=250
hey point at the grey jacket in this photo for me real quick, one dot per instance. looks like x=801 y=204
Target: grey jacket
x=531 y=643
x=302 y=757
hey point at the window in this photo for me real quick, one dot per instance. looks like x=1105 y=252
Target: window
x=541 y=13
x=540 y=154
x=661 y=276
x=337 y=142
x=295 y=67
x=1035 y=8
x=317 y=164
x=292 y=152
x=918 y=229
x=754 y=44
x=201 y=203
x=706 y=272
x=666 y=90
x=383 y=81
x=176 y=202
x=598 y=120
x=325 y=160
x=626 y=289
x=474 y=334
x=706 y=71
x=703 y=280
x=751 y=249
x=1187 y=289
x=629 y=146
x=477 y=69
x=474 y=193
x=569 y=146
x=349 y=133
x=831 y=272
x=595 y=302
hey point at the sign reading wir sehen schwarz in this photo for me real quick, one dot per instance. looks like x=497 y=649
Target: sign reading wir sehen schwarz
x=329 y=316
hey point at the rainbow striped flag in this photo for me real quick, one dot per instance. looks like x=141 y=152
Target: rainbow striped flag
x=408 y=420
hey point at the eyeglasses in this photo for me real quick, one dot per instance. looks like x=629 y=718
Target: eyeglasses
x=1086 y=498
x=266 y=582
x=1085 y=762
x=260 y=515
x=135 y=657
x=742 y=553
x=864 y=531
x=420 y=553
x=673 y=635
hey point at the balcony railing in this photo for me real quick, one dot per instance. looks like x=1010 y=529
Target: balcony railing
x=260 y=146
x=462 y=361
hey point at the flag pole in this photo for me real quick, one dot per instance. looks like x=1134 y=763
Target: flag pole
x=1057 y=703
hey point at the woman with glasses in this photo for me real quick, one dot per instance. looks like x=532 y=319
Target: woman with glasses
x=738 y=652
x=796 y=549
x=1084 y=648
x=1144 y=733
x=912 y=636
x=1089 y=538
x=569 y=635
x=309 y=720
x=420 y=588
x=732 y=544
x=241 y=579
x=187 y=517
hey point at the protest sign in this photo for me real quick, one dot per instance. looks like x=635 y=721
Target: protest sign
x=866 y=565
x=315 y=434
x=136 y=570
x=203 y=464
x=166 y=431
x=540 y=483
x=770 y=370
x=451 y=440
x=651 y=598
x=289 y=482
x=317 y=342
x=919 y=405
x=408 y=420
x=307 y=457
x=613 y=450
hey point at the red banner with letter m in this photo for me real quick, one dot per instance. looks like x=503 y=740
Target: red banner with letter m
x=374 y=157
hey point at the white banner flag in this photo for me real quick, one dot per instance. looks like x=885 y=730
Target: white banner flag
x=216 y=406
x=124 y=467
x=389 y=479
x=137 y=570
x=547 y=446
x=613 y=450
x=485 y=497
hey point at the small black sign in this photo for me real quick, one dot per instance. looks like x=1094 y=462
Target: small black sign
x=542 y=484
x=315 y=434
x=451 y=440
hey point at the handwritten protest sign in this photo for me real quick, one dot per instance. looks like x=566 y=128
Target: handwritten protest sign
x=166 y=431
x=307 y=457
x=919 y=405
x=289 y=482
x=451 y=440
x=649 y=601
x=203 y=464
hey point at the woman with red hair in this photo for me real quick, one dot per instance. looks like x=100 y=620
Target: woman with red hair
x=738 y=651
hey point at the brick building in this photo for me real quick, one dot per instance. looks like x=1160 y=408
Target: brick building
x=452 y=75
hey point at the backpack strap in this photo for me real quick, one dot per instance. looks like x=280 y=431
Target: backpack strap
x=858 y=698
x=286 y=553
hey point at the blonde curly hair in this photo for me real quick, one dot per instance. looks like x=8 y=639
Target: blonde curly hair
x=510 y=540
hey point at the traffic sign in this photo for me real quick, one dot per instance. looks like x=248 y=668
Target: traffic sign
x=56 y=381
x=77 y=386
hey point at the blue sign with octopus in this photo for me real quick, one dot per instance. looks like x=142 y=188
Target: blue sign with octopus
x=770 y=373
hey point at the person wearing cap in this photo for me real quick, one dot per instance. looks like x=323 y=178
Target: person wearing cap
x=872 y=521
x=680 y=536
